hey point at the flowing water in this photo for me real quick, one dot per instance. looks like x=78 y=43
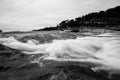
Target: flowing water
x=103 y=49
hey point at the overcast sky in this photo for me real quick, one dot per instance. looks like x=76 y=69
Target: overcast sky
x=35 y=14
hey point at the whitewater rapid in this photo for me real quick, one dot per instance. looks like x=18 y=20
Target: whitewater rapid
x=102 y=49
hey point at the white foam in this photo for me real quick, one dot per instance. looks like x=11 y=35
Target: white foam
x=102 y=50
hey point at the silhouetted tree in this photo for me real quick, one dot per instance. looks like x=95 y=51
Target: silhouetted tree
x=0 y=31
x=97 y=19
x=102 y=19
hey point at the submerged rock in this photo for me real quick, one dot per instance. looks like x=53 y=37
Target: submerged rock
x=18 y=67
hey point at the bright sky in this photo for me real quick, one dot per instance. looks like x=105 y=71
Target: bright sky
x=35 y=14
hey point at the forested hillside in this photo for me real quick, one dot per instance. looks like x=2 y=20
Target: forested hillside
x=109 y=19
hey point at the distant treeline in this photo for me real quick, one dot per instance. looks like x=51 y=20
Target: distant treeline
x=103 y=19
x=47 y=29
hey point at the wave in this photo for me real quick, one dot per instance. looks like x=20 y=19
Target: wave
x=98 y=50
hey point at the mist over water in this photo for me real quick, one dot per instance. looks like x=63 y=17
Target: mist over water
x=102 y=49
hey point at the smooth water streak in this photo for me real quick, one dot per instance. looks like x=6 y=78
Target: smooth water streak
x=103 y=50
